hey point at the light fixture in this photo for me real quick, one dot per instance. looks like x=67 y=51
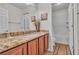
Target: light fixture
x=58 y=3
x=29 y=4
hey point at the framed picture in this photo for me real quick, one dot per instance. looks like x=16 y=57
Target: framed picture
x=44 y=16
x=33 y=18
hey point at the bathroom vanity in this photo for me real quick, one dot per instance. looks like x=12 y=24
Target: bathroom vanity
x=28 y=44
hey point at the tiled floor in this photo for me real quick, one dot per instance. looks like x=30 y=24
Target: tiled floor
x=60 y=49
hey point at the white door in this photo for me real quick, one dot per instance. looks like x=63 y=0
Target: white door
x=60 y=24
x=71 y=30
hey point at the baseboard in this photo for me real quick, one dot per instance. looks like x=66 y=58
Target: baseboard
x=61 y=42
x=70 y=51
x=50 y=50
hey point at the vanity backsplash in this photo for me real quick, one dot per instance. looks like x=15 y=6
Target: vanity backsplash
x=11 y=34
x=5 y=35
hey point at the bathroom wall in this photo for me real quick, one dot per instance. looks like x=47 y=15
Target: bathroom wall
x=43 y=8
x=31 y=10
x=36 y=10
x=14 y=17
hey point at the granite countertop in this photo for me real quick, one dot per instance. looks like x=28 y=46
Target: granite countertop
x=10 y=42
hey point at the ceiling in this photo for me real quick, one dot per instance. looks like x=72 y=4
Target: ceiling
x=20 y=5
x=56 y=6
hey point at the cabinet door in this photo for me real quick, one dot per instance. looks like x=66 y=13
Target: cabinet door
x=24 y=52
x=33 y=47
x=41 y=45
x=14 y=51
x=46 y=42
x=20 y=50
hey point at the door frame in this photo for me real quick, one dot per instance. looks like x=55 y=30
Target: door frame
x=71 y=27
x=75 y=40
x=74 y=47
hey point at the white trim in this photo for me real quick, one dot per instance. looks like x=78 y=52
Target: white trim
x=62 y=42
x=71 y=33
x=75 y=30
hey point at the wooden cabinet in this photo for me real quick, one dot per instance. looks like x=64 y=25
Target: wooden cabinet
x=19 y=50
x=14 y=51
x=33 y=47
x=41 y=45
x=24 y=49
x=46 y=42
